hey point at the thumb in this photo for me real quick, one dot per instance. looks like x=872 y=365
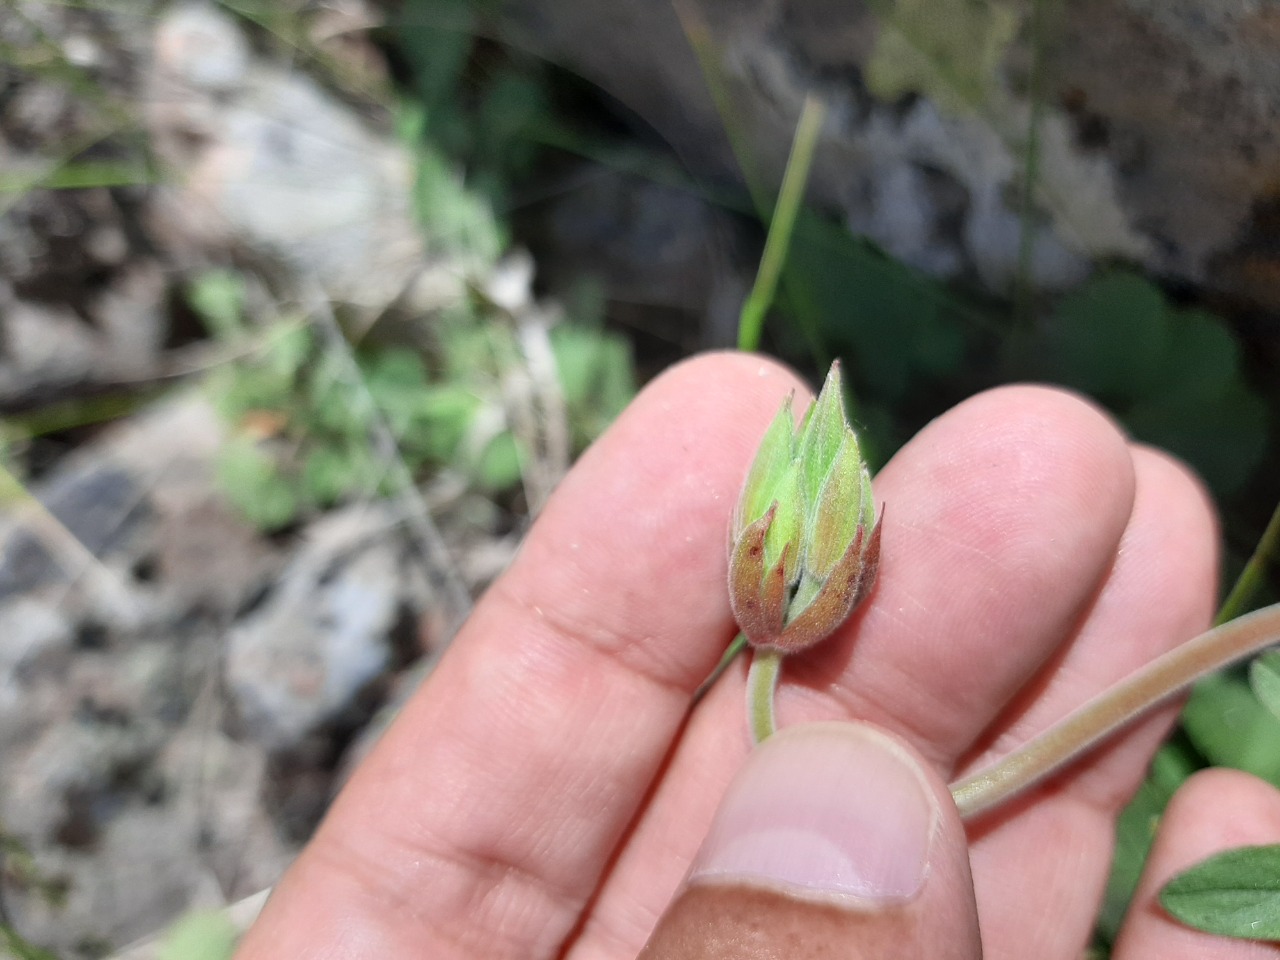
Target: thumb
x=834 y=840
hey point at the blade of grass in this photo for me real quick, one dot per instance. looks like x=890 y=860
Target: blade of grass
x=78 y=176
x=697 y=31
x=778 y=241
x=1023 y=292
x=1250 y=579
x=76 y=412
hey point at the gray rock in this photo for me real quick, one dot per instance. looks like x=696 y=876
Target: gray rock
x=1157 y=132
x=271 y=160
x=99 y=507
x=35 y=642
x=323 y=636
x=43 y=348
x=203 y=47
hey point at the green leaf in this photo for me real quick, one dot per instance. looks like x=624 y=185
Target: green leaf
x=1109 y=338
x=444 y=414
x=467 y=345
x=456 y=219
x=287 y=351
x=217 y=296
x=1203 y=358
x=1264 y=677
x=395 y=379
x=514 y=104
x=1227 y=724
x=436 y=37
x=330 y=472
x=498 y=467
x=199 y=935
x=392 y=369
x=577 y=354
x=1225 y=440
x=894 y=325
x=1233 y=894
x=596 y=377
x=254 y=484
x=617 y=386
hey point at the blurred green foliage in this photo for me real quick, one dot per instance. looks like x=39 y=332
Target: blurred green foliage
x=1136 y=829
x=306 y=419
x=1264 y=677
x=481 y=103
x=1173 y=376
x=913 y=346
x=199 y=935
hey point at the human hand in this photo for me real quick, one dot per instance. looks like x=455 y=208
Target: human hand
x=546 y=792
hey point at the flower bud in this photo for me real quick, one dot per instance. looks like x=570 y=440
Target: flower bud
x=805 y=540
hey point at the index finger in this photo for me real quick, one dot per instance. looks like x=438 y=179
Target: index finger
x=481 y=824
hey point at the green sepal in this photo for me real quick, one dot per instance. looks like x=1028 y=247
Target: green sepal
x=756 y=594
x=788 y=523
x=823 y=432
x=849 y=583
x=775 y=454
x=838 y=512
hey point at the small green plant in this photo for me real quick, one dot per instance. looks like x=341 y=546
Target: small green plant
x=304 y=417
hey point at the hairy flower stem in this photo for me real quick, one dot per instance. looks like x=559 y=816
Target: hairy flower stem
x=762 y=681
x=1115 y=708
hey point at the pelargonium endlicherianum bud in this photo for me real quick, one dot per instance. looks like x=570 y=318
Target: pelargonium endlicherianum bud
x=805 y=542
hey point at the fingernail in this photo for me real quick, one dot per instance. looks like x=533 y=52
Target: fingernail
x=825 y=811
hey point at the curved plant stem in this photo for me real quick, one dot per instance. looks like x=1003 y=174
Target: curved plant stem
x=1115 y=708
x=1250 y=578
x=762 y=681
